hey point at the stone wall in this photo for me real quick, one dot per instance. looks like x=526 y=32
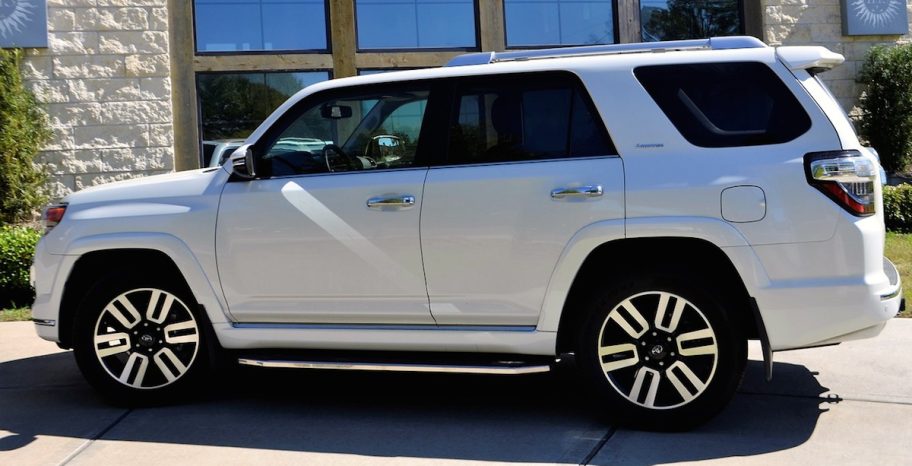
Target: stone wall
x=105 y=82
x=819 y=22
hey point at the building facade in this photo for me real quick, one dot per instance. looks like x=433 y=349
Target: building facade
x=133 y=87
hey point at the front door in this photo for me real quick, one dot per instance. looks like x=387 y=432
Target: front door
x=329 y=233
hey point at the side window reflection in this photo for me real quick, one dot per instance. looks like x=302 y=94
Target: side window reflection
x=367 y=132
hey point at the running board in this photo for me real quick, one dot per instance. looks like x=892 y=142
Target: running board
x=505 y=368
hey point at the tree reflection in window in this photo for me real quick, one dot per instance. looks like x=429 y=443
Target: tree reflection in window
x=689 y=19
x=232 y=105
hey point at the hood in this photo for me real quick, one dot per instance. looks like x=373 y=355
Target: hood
x=179 y=184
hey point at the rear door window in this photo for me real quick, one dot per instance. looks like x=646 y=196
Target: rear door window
x=726 y=104
x=534 y=117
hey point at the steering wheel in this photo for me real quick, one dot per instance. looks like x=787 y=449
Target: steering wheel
x=350 y=162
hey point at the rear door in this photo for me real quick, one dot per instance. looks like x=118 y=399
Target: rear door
x=528 y=163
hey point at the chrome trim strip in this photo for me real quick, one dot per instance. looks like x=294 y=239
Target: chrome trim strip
x=891 y=294
x=45 y=322
x=454 y=328
x=895 y=280
x=392 y=367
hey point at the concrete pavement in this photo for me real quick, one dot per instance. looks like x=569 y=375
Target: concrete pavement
x=850 y=404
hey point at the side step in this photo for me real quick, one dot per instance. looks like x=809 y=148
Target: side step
x=499 y=367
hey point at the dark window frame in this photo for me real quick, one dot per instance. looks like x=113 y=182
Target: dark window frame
x=565 y=78
x=326 y=50
x=475 y=19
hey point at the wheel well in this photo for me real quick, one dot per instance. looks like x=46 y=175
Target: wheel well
x=95 y=265
x=644 y=255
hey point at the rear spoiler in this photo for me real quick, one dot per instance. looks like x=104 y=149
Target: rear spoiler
x=814 y=59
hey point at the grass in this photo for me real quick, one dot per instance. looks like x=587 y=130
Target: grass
x=899 y=250
x=15 y=315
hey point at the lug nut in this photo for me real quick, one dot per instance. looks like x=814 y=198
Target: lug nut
x=654 y=334
x=661 y=363
x=647 y=358
x=669 y=338
x=672 y=354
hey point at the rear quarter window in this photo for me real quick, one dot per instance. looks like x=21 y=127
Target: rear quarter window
x=726 y=104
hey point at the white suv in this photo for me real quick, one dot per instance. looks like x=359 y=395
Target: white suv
x=646 y=212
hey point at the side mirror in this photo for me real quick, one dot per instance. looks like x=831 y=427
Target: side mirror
x=243 y=162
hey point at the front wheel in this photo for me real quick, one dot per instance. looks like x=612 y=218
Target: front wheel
x=138 y=340
x=661 y=353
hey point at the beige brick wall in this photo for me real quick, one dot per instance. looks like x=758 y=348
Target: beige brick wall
x=819 y=22
x=105 y=82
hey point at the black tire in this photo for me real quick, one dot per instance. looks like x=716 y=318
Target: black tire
x=648 y=388
x=168 y=348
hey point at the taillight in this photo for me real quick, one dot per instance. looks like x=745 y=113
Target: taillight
x=846 y=177
x=52 y=215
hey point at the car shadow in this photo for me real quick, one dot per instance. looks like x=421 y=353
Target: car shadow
x=536 y=418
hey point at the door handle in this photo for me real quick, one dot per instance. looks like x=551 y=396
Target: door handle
x=395 y=201
x=577 y=192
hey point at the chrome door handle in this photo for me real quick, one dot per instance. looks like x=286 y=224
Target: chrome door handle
x=396 y=201
x=577 y=192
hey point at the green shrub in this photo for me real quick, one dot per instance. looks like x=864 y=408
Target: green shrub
x=886 y=106
x=23 y=130
x=898 y=207
x=17 y=248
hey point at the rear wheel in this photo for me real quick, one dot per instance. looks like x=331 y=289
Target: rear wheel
x=138 y=339
x=661 y=353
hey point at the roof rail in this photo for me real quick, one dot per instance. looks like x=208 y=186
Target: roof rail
x=715 y=43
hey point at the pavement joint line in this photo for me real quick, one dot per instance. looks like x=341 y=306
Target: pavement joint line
x=95 y=437
x=598 y=447
x=833 y=399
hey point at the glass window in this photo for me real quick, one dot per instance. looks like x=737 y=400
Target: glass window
x=689 y=19
x=559 y=22
x=415 y=24
x=367 y=132
x=232 y=105
x=256 y=25
x=506 y=122
x=726 y=104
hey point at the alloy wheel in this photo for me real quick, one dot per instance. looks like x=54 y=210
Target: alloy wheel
x=658 y=350
x=146 y=338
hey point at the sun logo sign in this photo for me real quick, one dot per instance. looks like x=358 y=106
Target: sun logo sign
x=23 y=23
x=869 y=17
x=876 y=12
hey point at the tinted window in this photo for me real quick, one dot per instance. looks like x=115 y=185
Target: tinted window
x=726 y=104
x=252 y=25
x=232 y=105
x=689 y=19
x=415 y=24
x=365 y=132
x=559 y=22
x=507 y=122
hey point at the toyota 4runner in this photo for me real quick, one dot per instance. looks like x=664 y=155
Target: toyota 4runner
x=647 y=208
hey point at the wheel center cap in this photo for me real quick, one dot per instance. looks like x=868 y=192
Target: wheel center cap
x=146 y=340
x=657 y=352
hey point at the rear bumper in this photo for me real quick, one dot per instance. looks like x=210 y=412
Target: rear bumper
x=823 y=312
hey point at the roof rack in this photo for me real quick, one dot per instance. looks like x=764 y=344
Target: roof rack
x=715 y=43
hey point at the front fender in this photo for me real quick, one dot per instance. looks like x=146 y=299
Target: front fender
x=183 y=257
